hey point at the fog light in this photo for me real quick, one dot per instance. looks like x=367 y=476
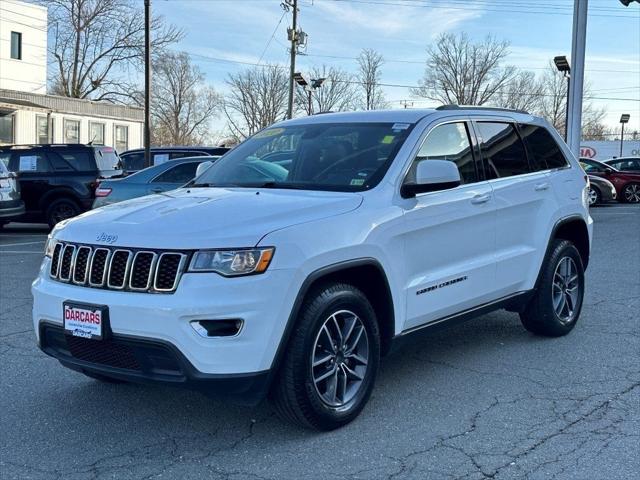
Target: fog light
x=217 y=328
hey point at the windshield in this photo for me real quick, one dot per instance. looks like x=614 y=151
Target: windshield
x=325 y=156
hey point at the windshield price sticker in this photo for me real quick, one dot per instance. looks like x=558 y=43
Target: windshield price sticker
x=400 y=126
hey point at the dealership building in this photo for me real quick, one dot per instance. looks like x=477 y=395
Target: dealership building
x=28 y=115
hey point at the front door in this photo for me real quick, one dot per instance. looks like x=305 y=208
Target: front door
x=449 y=235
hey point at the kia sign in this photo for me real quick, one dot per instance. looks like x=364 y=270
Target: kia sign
x=605 y=149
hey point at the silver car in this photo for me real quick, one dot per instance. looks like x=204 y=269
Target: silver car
x=11 y=205
x=159 y=178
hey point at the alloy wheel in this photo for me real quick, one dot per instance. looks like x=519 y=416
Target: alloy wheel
x=62 y=212
x=565 y=289
x=340 y=357
x=632 y=193
x=593 y=196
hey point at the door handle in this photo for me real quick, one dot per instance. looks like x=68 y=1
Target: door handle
x=157 y=190
x=481 y=198
x=541 y=186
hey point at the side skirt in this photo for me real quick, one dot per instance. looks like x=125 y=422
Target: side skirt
x=513 y=303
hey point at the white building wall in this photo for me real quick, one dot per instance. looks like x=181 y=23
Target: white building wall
x=25 y=128
x=605 y=149
x=28 y=74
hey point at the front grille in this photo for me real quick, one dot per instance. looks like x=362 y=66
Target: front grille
x=118 y=268
x=104 y=352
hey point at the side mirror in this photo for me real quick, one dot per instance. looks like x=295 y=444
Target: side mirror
x=608 y=171
x=432 y=176
x=203 y=167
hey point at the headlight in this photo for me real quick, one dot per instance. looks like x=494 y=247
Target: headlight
x=49 y=246
x=232 y=263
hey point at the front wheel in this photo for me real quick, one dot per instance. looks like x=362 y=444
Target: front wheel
x=631 y=193
x=331 y=361
x=556 y=305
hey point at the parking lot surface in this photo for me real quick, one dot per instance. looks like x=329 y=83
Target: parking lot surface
x=482 y=400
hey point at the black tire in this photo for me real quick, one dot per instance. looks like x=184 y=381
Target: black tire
x=295 y=395
x=540 y=315
x=61 y=209
x=631 y=193
x=597 y=194
x=102 y=378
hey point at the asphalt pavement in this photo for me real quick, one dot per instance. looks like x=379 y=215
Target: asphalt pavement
x=482 y=400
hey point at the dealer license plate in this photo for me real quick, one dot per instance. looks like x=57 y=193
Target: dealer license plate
x=83 y=320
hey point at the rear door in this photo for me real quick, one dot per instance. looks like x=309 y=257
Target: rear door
x=449 y=235
x=34 y=174
x=524 y=201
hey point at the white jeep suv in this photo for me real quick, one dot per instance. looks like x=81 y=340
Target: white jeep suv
x=289 y=267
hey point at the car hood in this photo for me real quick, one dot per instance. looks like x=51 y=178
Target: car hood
x=203 y=217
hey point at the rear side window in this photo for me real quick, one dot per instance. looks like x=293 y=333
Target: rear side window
x=179 y=174
x=543 y=148
x=449 y=142
x=133 y=161
x=502 y=150
x=70 y=160
x=32 y=162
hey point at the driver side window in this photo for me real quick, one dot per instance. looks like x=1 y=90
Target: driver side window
x=448 y=142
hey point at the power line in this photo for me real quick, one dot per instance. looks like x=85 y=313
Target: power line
x=275 y=30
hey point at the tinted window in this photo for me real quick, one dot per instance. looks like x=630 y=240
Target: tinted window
x=32 y=162
x=543 y=148
x=626 y=165
x=179 y=174
x=133 y=161
x=448 y=142
x=502 y=150
x=65 y=160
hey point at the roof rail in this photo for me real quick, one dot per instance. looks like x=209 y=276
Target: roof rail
x=41 y=145
x=472 y=107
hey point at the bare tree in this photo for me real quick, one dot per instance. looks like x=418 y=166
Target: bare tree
x=257 y=98
x=337 y=93
x=96 y=42
x=183 y=105
x=553 y=104
x=465 y=73
x=524 y=92
x=369 y=74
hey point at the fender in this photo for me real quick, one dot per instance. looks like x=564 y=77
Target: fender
x=60 y=192
x=304 y=290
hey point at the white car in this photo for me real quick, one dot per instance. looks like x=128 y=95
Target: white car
x=291 y=265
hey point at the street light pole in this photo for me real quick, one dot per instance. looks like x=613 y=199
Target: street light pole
x=578 y=43
x=147 y=83
x=623 y=119
x=562 y=64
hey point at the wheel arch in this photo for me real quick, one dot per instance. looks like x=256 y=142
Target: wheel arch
x=368 y=275
x=574 y=229
x=56 y=194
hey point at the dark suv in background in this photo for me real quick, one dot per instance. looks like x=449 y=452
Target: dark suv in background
x=58 y=181
x=133 y=160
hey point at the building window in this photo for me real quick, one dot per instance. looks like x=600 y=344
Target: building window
x=96 y=133
x=6 y=128
x=16 y=45
x=121 y=138
x=42 y=129
x=71 y=131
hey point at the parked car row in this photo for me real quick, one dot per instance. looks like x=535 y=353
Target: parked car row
x=53 y=182
x=626 y=183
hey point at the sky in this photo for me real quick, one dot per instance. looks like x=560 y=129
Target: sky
x=226 y=36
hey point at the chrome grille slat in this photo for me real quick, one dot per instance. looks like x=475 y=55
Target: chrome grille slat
x=117 y=268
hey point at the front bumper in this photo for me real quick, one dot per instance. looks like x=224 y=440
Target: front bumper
x=11 y=209
x=263 y=302
x=144 y=360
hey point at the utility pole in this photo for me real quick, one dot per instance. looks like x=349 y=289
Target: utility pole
x=147 y=83
x=293 y=36
x=578 y=42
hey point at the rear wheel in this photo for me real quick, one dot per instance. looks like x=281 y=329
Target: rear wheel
x=331 y=361
x=555 y=308
x=631 y=193
x=61 y=209
x=595 y=197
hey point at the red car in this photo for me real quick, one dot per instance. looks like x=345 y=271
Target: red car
x=627 y=183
